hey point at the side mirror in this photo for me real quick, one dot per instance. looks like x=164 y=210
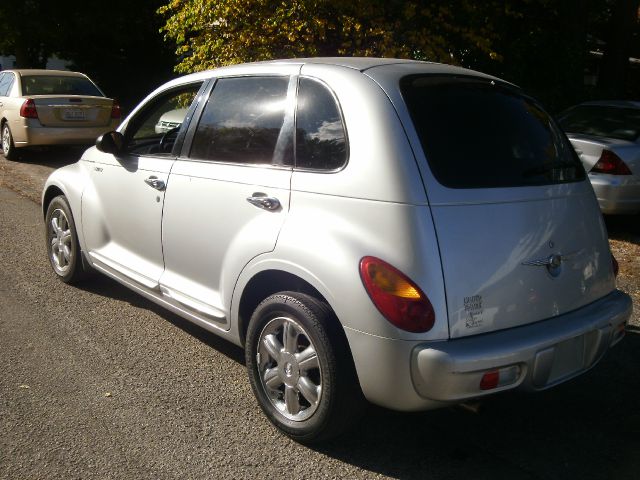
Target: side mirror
x=110 y=142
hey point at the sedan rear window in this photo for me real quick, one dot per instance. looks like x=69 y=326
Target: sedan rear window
x=479 y=133
x=603 y=121
x=58 y=85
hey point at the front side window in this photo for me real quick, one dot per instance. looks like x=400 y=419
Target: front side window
x=155 y=128
x=320 y=134
x=243 y=122
x=58 y=85
x=479 y=133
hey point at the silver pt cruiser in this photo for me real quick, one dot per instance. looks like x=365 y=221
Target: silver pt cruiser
x=404 y=233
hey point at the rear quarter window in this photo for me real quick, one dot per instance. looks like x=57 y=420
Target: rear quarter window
x=479 y=133
x=321 y=141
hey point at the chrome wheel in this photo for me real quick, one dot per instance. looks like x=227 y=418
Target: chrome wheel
x=60 y=241
x=6 y=140
x=289 y=369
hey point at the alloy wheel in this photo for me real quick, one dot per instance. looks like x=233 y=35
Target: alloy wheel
x=289 y=368
x=61 y=242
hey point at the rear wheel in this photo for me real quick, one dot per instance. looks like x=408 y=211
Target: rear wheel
x=8 y=148
x=300 y=368
x=63 y=248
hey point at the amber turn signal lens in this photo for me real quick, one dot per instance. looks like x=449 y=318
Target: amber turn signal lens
x=399 y=299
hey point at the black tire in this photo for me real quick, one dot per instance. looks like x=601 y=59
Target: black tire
x=287 y=399
x=63 y=249
x=8 y=148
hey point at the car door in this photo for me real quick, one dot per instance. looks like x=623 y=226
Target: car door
x=122 y=210
x=229 y=191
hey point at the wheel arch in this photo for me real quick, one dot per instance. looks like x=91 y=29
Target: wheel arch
x=51 y=192
x=265 y=283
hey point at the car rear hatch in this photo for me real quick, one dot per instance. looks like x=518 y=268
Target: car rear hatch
x=73 y=111
x=520 y=235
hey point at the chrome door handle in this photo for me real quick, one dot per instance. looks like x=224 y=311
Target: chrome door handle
x=155 y=182
x=261 y=200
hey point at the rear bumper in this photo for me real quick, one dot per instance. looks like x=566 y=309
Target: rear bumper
x=28 y=135
x=535 y=357
x=617 y=194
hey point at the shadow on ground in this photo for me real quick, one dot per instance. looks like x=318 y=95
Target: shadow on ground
x=52 y=157
x=624 y=227
x=588 y=428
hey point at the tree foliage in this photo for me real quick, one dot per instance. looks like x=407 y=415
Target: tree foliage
x=546 y=46
x=31 y=46
x=118 y=45
x=211 y=33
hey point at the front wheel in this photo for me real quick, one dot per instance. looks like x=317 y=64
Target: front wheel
x=300 y=368
x=63 y=248
x=8 y=148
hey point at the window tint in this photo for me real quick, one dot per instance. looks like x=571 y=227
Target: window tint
x=6 y=82
x=242 y=122
x=155 y=128
x=320 y=134
x=481 y=134
x=603 y=121
x=58 y=85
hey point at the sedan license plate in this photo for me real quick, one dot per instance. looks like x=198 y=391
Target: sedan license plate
x=74 y=114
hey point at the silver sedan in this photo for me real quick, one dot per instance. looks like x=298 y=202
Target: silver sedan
x=606 y=136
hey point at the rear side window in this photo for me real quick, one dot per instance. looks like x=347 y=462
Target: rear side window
x=320 y=134
x=58 y=85
x=477 y=133
x=242 y=122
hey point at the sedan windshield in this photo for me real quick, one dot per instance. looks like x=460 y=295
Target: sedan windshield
x=58 y=85
x=603 y=121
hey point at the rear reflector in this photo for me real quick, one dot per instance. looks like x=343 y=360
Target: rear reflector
x=28 y=109
x=116 y=112
x=500 y=378
x=399 y=299
x=610 y=163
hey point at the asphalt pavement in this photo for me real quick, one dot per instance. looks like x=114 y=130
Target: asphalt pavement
x=97 y=382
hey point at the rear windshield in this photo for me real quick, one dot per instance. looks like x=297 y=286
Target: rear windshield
x=58 y=85
x=603 y=121
x=478 y=133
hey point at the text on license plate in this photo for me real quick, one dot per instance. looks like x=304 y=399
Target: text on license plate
x=73 y=114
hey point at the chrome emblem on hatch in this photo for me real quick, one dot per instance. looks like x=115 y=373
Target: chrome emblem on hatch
x=552 y=262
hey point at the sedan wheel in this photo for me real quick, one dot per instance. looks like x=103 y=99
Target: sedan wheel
x=8 y=149
x=300 y=367
x=62 y=242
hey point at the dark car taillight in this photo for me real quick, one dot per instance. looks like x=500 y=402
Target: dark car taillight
x=28 y=109
x=610 y=163
x=116 y=112
x=399 y=299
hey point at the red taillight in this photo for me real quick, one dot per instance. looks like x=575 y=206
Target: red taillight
x=610 y=163
x=616 y=267
x=28 y=109
x=399 y=299
x=116 y=112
